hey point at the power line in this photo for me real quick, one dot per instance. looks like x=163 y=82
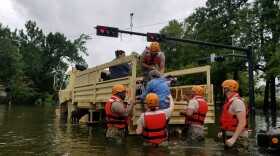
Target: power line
x=154 y=24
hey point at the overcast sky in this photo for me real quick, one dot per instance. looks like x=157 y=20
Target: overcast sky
x=75 y=17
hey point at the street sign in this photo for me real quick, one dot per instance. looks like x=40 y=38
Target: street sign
x=212 y=57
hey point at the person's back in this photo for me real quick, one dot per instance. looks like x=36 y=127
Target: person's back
x=162 y=90
x=152 y=124
x=158 y=85
x=121 y=70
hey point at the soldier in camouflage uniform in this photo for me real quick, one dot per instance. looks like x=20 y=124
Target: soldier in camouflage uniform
x=234 y=119
x=118 y=114
x=195 y=115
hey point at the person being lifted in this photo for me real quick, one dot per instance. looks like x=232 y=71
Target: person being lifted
x=234 y=118
x=118 y=114
x=195 y=115
x=152 y=58
x=152 y=123
x=157 y=85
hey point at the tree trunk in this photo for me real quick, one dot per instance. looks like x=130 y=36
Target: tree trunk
x=272 y=95
x=235 y=74
x=266 y=94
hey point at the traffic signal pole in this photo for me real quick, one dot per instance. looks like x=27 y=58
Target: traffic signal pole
x=248 y=50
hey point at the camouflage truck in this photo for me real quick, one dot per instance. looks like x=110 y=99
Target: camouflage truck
x=87 y=91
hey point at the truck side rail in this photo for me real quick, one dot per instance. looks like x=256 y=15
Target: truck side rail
x=91 y=92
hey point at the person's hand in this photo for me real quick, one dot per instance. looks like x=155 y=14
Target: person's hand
x=153 y=67
x=220 y=134
x=158 y=74
x=230 y=142
x=185 y=98
x=170 y=97
x=181 y=112
x=137 y=98
x=133 y=102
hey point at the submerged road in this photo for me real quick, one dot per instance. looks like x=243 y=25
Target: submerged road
x=35 y=130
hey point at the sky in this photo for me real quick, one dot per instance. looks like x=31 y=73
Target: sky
x=75 y=17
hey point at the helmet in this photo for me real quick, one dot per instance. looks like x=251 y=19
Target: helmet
x=117 y=88
x=198 y=90
x=231 y=84
x=154 y=47
x=152 y=100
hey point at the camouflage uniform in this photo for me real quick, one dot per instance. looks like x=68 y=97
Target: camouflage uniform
x=194 y=133
x=114 y=134
x=240 y=145
x=147 y=143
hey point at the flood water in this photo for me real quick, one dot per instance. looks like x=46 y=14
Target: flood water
x=35 y=130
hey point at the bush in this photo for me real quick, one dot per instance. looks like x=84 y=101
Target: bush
x=259 y=102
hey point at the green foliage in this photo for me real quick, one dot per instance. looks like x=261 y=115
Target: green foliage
x=10 y=59
x=24 y=91
x=33 y=58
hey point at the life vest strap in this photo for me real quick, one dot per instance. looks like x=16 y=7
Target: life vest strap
x=234 y=116
x=154 y=137
x=154 y=130
x=115 y=117
x=246 y=126
x=195 y=120
x=203 y=115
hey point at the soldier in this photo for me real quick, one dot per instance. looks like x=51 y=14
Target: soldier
x=195 y=115
x=152 y=58
x=152 y=124
x=118 y=114
x=234 y=118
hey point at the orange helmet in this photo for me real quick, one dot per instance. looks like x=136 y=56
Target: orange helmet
x=152 y=100
x=198 y=90
x=154 y=47
x=118 y=88
x=231 y=85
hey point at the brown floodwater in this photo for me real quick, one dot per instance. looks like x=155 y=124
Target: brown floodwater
x=35 y=130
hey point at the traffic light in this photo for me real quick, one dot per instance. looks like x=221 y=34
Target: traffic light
x=202 y=60
x=220 y=58
x=154 y=37
x=107 y=31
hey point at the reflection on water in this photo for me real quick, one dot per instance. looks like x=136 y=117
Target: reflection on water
x=34 y=130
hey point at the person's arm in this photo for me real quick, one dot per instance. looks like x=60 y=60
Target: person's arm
x=139 y=129
x=187 y=112
x=140 y=124
x=125 y=112
x=161 y=67
x=162 y=64
x=190 y=109
x=148 y=90
x=171 y=107
x=241 y=116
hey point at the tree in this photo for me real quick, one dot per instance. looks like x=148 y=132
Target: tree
x=10 y=59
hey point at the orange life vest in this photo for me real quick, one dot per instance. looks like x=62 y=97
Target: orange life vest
x=229 y=121
x=154 y=129
x=151 y=61
x=114 y=119
x=198 y=117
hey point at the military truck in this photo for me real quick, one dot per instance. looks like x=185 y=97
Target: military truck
x=87 y=91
